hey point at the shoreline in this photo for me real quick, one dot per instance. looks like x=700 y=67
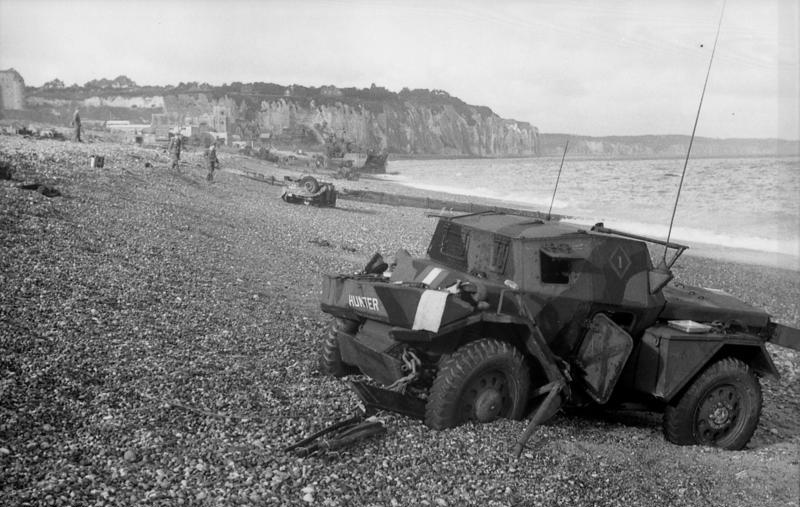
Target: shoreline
x=745 y=256
x=697 y=248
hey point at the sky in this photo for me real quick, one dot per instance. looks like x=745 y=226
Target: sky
x=611 y=67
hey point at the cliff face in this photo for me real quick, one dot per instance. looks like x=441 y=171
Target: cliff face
x=400 y=125
x=403 y=127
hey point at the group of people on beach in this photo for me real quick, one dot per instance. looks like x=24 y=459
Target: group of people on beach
x=175 y=147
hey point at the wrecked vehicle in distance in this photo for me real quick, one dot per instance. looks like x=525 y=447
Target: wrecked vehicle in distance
x=307 y=190
x=508 y=313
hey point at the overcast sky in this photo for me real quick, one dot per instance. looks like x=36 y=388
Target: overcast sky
x=611 y=67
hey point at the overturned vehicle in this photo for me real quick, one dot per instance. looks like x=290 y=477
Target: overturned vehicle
x=510 y=314
x=309 y=191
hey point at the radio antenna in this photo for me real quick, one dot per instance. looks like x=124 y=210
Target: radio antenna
x=694 y=129
x=557 y=179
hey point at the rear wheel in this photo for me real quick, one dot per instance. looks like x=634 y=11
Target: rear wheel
x=721 y=408
x=330 y=362
x=482 y=381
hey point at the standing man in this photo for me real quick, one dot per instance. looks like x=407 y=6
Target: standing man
x=213 y=162
x=175 y=145
x=76 y=122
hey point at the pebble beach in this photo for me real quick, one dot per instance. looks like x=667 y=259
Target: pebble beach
x=159 y=340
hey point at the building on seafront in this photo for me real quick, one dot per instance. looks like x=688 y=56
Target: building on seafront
x=12 y=90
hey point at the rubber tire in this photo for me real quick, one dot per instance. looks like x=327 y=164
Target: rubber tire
x=467 y=363
x=309 y=184
x=680 y=418
x=330 y=361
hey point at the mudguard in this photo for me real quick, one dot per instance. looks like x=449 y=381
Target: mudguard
x=668 y=359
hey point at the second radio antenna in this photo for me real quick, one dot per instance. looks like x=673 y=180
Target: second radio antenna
x=694 y=129
x=557 y=179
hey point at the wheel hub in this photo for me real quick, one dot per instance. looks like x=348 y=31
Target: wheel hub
x=720 y=417
x=488 y=405
x=719 y=414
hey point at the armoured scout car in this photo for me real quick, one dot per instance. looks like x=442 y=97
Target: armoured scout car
x=506 y=309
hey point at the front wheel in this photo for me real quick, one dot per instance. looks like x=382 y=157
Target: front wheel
x=721 y=408
x=481 y=381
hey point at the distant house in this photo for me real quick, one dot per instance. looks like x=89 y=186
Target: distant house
x=131 y=131
x=220 y=136
x=190 y=130
x=162 y=124
x=220 y=119
x=330 y=91
x=125 y=125
x=12 y=90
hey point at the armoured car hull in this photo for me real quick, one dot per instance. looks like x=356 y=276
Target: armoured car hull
x=504 y=310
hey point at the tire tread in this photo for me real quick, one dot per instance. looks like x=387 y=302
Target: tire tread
x=455 y=369
x=330 y=361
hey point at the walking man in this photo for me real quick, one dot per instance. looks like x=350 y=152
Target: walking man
x=175 y=145
x=213 y=162
x=76 y=122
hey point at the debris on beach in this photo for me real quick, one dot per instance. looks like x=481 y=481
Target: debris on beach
x=6 y=170
x=45 y=190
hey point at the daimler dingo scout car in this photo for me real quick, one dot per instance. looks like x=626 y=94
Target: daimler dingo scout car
x=506 y=309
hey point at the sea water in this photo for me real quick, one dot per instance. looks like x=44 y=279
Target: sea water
x=745 y=209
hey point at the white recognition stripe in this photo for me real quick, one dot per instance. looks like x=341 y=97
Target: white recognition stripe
x=434 y=272
x=430 y=310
